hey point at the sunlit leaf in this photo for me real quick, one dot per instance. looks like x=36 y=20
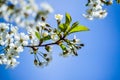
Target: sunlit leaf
x=46 y=38
x=37 y=35
x=63 y=27
x=63 y=47
x=74 y=25
x=68 y=19
x=78 y=28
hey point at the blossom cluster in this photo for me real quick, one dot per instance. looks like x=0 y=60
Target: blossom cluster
x=37 y=32
x=23 y=12
x=95 y=9
x=12 y=43
x=29 y=17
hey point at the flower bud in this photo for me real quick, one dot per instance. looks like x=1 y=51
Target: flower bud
x=48 y=48
x=35 y=62
x=45 y=34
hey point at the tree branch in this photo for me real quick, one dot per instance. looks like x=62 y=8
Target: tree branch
x=41 y=45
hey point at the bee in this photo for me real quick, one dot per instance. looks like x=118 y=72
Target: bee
x=118 y=1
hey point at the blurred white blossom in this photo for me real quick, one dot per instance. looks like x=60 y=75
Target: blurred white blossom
x=95 y=9
x=58 y=17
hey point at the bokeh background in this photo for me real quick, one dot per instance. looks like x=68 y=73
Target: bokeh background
x=98 y=60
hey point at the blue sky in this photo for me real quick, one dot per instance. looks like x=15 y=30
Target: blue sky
x=98 y=60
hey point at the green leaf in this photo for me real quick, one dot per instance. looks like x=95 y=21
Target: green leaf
x=63 y=27
x=77 y=28
x=37 y=35
x=74 y=25
x=68 y=19
x=63 y=47
x=46 y=38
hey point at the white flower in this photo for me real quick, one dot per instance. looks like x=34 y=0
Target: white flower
x=1 y=40
x=9 y=39
x=88 y=17
x=3 y=59
x=75 y=40
x=45 y=34
x=102 y=14
x=14 y=29
x=35 y=41
x=33 y=38
x=3 y=27
x=54 y=37
x=95 y=10
x=12 y=63
x=22 y=39
x=95 y=5
x=15 y=47
x=58 y=17
x=43 y=24
x=20 y=49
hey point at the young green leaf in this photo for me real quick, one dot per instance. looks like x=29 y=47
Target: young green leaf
x=77 y=28
x=68 y=19
x=63 y=27
x=74 y=25
x=37 y=35
x=63 y=47
x=46 y=38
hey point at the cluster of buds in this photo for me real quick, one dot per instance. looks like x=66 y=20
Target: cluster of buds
x=41 y=59
x=71 y=47
x=95 y=9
